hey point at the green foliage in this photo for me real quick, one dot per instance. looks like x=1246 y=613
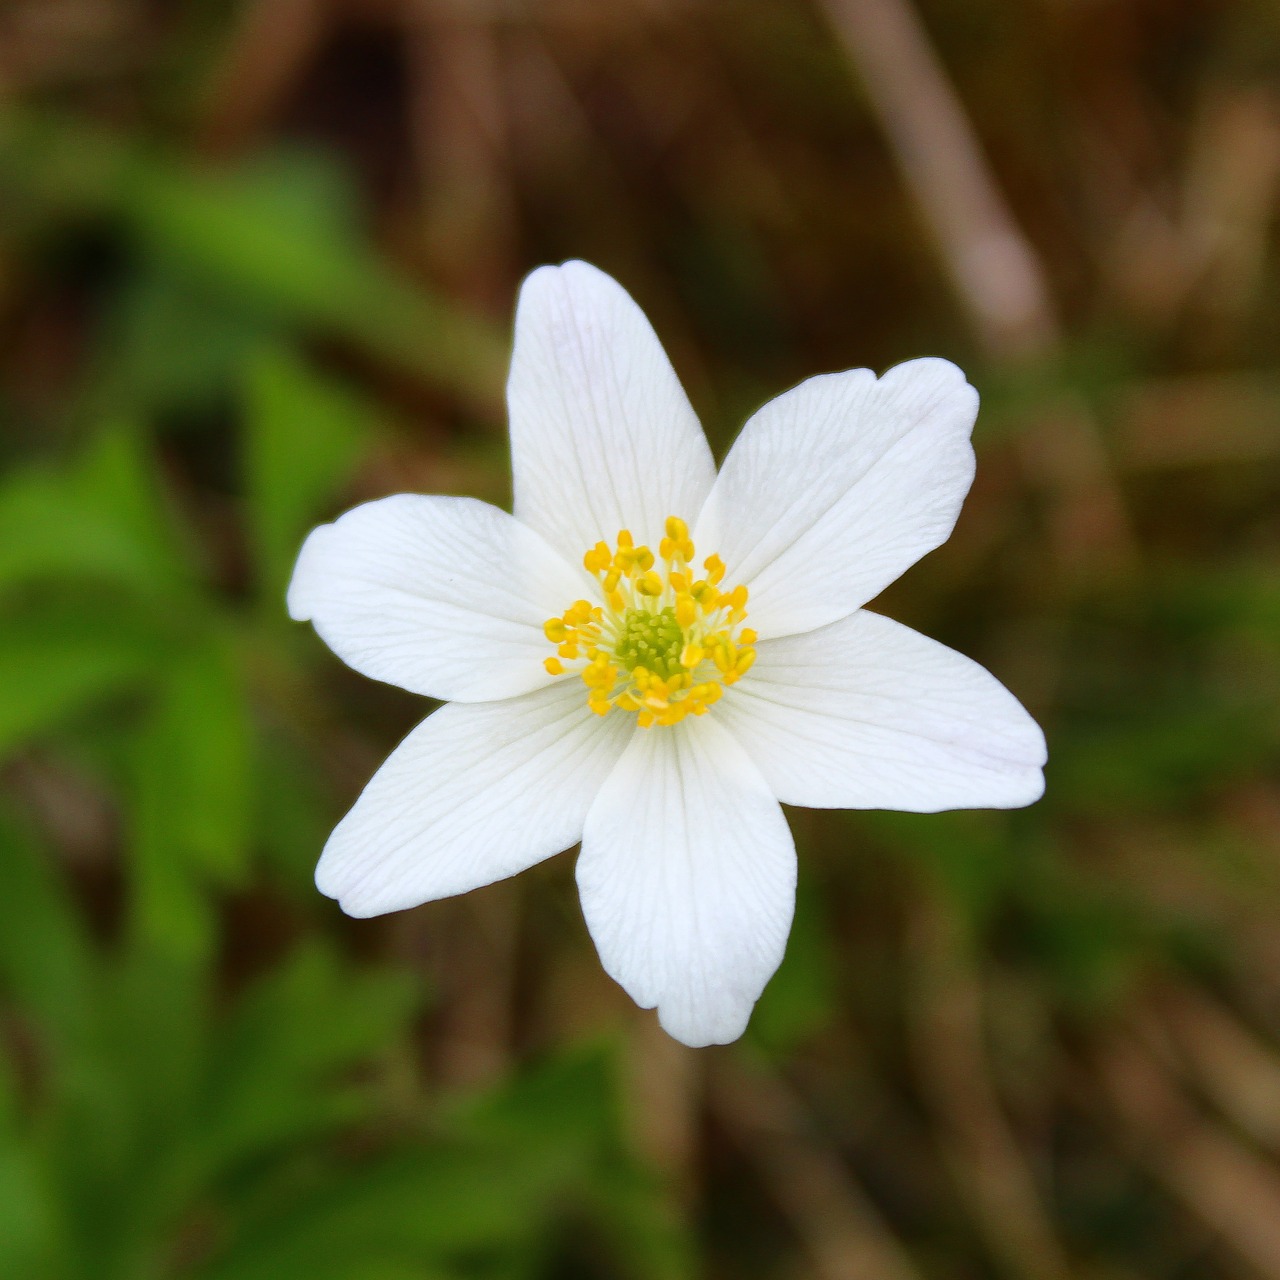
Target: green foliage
x=205 y=1072
x=156 y=1121
x=303 y=437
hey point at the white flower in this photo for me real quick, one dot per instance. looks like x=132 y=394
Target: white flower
x=672 y=699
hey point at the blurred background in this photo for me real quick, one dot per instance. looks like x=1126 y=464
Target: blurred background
x=257 y=263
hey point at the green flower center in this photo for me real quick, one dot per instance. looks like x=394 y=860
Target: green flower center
x=651 y=640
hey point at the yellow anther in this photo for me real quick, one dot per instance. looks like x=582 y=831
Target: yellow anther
x=598 y=559
x=596 y=677
x=649 y=584
x=616 y=602
x=629 y=702
x=686 y=549
x=680 y=582
x=554 y=666
x=555 y=630
x=644 y=558
x=738 y=597
x=698 y=708
x=690 y=656
x=611 y=580
x=745 y=658
x=600 y=705
x=673 y=714
x=667 y=549
x=686 y=611
x=724 y=656
x=747 y=636
x=579 y=612
x=644 y=719
x=568 y=650
x=715 y=569
x=625 y=539
x=676 y=529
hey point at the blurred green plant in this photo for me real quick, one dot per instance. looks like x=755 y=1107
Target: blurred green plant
x=1034 y=1045
x=152 y=1124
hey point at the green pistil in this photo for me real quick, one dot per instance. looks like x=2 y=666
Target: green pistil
x=651 y=640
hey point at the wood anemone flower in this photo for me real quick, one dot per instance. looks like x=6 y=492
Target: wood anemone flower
x=647 y=656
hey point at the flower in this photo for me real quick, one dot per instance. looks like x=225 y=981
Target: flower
x=647 y=656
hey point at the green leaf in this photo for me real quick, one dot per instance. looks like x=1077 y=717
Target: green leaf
x=276 y=1073
x=304 y=434
x=255 y=236
x=104 y=518
x=192 y=797
x=56 y=662
x=433 y=1205
x=31 y=1230
x=45 y=957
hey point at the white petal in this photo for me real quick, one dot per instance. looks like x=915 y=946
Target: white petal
x=868 y=714
x=688 y=876
x=442 y=596
x=602 y=434
x=475 y=793
x=838 y=486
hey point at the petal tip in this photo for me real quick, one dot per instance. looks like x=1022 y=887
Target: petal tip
x=298 y=597
x=701 y=1032
x=934 y=378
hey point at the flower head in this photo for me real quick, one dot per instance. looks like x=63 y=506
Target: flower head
x=647 y=657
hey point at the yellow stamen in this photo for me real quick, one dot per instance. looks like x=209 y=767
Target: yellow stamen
x=598 y=559
x=637 y=645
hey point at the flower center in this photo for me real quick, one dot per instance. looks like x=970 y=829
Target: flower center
x=651 y=640
x=662 y=643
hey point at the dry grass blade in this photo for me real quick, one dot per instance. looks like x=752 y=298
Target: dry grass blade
x=1220 y=1181
x=1200 y=419
x=461 y=135
x=990 y=1170
x=1235 y=1068
x=265 y=55
x=996 y=272
x=840 y=1230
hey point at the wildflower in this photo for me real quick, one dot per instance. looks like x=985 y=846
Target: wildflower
x=647 y=656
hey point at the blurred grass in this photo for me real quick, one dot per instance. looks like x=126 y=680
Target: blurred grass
x=257 y=263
